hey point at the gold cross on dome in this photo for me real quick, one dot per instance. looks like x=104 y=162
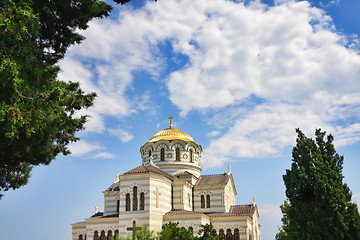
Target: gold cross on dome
x=171 y=118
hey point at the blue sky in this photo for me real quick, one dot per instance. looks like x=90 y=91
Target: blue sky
x=238 y=77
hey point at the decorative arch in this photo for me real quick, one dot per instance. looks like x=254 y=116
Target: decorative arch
x=96 y=235
x=162 y=144
x=213 y=233
x=80 y=237
x=177 y=144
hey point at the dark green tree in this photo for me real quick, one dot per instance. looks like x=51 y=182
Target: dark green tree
x=171 y=231
x=38 y=112
x=205 y=233
x=318 y=203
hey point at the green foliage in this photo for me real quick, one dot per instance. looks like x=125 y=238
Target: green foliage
x=318 y=203
x=38 y=113
x=205 y=233
x=171 y=231
x=144 y=233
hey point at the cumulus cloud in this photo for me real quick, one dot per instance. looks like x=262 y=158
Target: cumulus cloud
x=356 y=199
x=256 y=71
x=82 y=148
x=122 y=134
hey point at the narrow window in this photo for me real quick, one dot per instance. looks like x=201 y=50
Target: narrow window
x=80 y=237
x=177 y=154
x=149 y=153
x=192 y=231
x=96 y=235
x=221 y=234
x=142 y=201
x=207 y=201
x=228 y=234
x=191 y=156
x=117 y=206
x=102 y=236
x=189 y=198
x=202 y=201
x=109 y=235
x=236 y=234
x=213 y=233
x=116 y=234
x=128 y=202
x=162 y=154
x=135 y=200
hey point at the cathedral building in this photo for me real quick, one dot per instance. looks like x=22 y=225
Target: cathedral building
x=168 y=187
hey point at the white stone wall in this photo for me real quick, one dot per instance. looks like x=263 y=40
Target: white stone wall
x=110 y=202
x=149 y=183
x=189 y=220
x=182 y=195
x=216 y=193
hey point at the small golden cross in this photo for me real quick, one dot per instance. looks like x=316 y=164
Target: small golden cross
x=171 y=118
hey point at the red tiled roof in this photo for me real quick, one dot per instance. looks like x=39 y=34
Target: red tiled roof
x=236 y=210
x=213 y=179
x=180 y=212
x=141 y=169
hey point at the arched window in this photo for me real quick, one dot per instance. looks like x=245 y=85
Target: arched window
x=221 y=234
x=116 y=234
x=177 y=154
x=250 y=236
x=162 y=154
x=96 y=235
x=192 y=231
x=208 y=201
x=142 y=201
x=228 y=234
x=128 y=202
x=117 y=206
x=135 y=200
x=236 y=234
x=80 y=237
x=191 y=156
x=202 y=201
x=149 y=153
x=109 y=235
x=213 y=232
x=102 y=236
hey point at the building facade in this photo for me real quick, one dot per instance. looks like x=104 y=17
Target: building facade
x=168 y=187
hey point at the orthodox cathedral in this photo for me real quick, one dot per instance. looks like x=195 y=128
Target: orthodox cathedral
x=168 y=187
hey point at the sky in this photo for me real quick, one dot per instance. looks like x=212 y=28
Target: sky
x=237 y=76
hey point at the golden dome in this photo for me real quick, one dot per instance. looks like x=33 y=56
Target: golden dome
x=170 y=134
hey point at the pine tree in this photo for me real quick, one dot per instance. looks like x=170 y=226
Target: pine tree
x=318 y=203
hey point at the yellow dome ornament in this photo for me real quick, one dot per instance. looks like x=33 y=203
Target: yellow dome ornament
x=171 y=134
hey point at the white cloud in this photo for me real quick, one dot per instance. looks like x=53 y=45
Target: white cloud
x=122 y=134
x=356 y=199
x=103 y=155
x=279 y=67
x=82 y=148
x=270 y=211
